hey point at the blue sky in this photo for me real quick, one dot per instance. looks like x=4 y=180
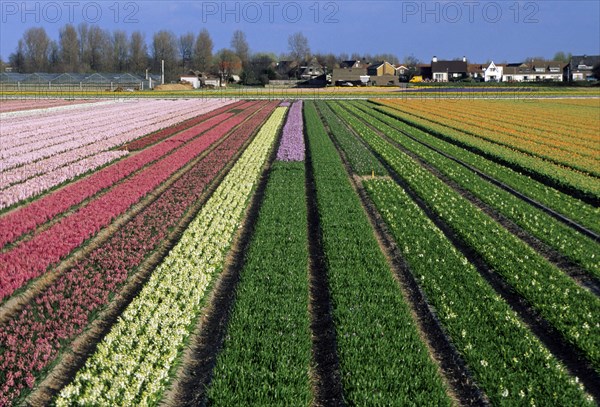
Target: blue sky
x=502 y=31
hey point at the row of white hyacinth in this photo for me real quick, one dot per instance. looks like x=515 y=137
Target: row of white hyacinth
x=82 y=144
x=134 y=362
x=31 y=107
x=109 y=125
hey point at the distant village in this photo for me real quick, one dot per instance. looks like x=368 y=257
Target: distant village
x=89 y=56
x=383 y=73
x=350 y=73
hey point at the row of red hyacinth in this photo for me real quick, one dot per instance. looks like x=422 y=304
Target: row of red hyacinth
x=33 y=338
x=33 y=178
x=43 y=151
x=32 y=257
x=27 y=218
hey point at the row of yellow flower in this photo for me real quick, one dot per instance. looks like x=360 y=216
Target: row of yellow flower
x=540 y=122
x=577 y=152
x=134 y=362
x=572 y=118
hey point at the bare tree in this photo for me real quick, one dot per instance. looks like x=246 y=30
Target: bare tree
x=203 y=51
x=138 y=52
x=83 y=30
x=240 y=46
x=562 y=57
x=54 y=64
x=69 y=48
x=120 y=48
x=17 y=58
x=99 y=50
x=411 y=61
x=186 y=47
x=164 y=47
x=37 y=49
x=95 y=48
x=298 y=47
x=329 y=61
x=391 y=58
x=227 y=63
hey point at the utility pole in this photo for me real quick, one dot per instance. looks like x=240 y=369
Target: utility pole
x=162 y=74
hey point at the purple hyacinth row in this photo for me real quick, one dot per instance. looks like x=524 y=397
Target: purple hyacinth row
x=292 y=141
x=285 y=103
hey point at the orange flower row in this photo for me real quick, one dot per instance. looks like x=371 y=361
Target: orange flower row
x=579 y=153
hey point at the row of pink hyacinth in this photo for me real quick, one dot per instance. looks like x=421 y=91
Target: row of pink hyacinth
x=69 y=136
x=57 y=131
x=29 y=113
x=36 y=177
x=20 y=105
x=27 y=218
x=30 y=258
x=18 y=123
x=291 y=147
x=22 y=133
x=41 y=183
x=119 y=124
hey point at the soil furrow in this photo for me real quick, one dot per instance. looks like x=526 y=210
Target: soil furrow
x=326 y=370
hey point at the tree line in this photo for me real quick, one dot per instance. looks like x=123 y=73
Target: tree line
x=89 y=48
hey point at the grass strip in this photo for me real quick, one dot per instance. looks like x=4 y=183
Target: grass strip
x=571 y=309
x=382 y=358
x=361 y=160
x=506 y=359
x=267 y=352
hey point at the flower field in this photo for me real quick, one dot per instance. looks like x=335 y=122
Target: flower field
x=339 y=252
x=565 y=154
x=11 y=106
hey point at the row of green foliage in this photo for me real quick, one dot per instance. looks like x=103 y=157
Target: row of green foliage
x=382 y=359
x=555 y=175
x=571 y=309
x=575 y=246
x=361 y=160
x=562 y=203
x=267 y=351
x=506 y=359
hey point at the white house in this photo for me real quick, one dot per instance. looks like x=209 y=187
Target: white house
x=580 y=67
x=534 y=71
x=493 y=73
x=213 y=82
x=445 y=71
x=193 y=79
